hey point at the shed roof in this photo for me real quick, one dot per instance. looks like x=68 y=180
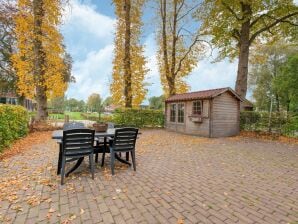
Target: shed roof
x=200 y=95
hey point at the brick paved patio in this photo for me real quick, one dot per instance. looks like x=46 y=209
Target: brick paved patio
x=179 y=179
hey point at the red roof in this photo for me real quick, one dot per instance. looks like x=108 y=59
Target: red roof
x=199 y=95
x=8 y=94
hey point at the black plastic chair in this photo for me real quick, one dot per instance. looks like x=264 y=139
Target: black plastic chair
x=67 y=126
x=124 y=141
x=102 y=144
x=101 y=147
x=77 y=143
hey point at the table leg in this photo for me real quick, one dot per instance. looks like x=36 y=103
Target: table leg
x=78 y=163
x=122 y=160
x=59 y=159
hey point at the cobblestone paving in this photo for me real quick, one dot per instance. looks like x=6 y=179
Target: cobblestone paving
x=179 y=179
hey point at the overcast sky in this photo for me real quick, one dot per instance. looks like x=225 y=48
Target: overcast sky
x=88 y=29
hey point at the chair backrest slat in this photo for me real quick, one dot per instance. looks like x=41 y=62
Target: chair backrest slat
x=125 y=139
x=78 y=139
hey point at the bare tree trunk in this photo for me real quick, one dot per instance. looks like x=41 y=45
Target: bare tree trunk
x=170 y=80
x=127 y=65
x=244 y=43
x=39 y=59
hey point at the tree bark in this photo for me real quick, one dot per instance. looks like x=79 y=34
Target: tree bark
x=39 y=60
x=127 y=65
x=170 y=80
x=241 y=82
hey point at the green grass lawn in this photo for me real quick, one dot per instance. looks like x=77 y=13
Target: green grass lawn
x=72 y=116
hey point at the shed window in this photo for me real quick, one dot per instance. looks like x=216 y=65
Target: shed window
x=180 y=112
x=3 y=100
x=197 y=107
x=173 y=113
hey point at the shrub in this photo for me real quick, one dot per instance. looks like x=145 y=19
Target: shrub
x=139 y=118
x=280 y=123
x=13 y=124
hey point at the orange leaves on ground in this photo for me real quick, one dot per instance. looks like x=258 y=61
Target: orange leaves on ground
x=268 y=136
x=33 y=201
x=180 y=221
x=25 y=143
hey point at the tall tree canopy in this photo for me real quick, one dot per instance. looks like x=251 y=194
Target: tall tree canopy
x=39 y=60
x=235 y=25
x=94 y=103
x=179 y=48
x=286 y=83
x=272 y=77
x=129 y=64
x=7 y=45
x=157 y=102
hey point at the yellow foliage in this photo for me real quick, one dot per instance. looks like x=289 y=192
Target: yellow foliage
x=183 y=48
x=138 y=61
x=23 y=59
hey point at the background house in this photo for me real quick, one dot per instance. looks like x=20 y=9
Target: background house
x=209 y=113
x=12 y=98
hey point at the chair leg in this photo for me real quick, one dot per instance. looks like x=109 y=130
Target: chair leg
x=103 y=159
x=127 y=156
x=91 y=165
x=96 y=158
x=133 y=158
x=63 y=169
x=59 y=159
x=112 y=162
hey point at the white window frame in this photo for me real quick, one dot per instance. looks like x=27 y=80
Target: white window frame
x=183 y=106
x=201 y=108
x=175 y=111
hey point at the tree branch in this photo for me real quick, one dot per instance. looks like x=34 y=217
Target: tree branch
x=231 y=10
x=277 y=21
x=188 y=52
x=236 y=34
x=188 y=11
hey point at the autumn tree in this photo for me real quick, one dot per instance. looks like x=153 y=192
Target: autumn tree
x=39 y=60
x=94 y=103
x=129 y=64
x=73 y=104
x=235 y=25
x=7 y=45
x=180 y=46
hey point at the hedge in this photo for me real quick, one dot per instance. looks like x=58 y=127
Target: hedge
x=13 y=124
x=138 y=118
x=279 y=123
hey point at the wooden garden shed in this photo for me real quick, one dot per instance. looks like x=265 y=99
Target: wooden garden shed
x=208 y=113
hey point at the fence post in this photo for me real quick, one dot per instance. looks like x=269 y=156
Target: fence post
x=66 y=119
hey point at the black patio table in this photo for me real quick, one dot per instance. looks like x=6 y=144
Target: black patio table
x=58 y=136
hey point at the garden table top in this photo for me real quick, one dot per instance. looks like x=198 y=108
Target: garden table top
x=58 y=134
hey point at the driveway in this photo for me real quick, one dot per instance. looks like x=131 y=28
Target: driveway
x=179 y=179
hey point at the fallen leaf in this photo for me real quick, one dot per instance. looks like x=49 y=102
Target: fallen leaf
x=51 y=210
x=180 y=221
x=72 y=217
x=82 y=211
